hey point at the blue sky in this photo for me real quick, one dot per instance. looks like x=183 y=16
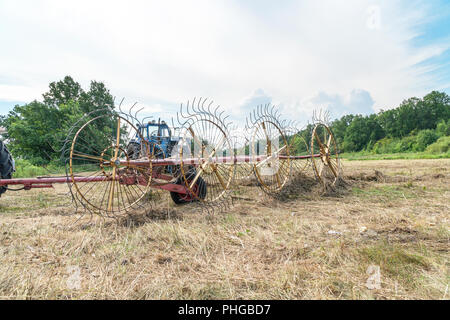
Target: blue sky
x=352 y=56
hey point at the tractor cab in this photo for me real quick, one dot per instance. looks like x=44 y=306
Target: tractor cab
x=159 y=136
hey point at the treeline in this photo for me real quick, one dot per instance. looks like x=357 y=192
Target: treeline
x=36 y=131
x=414 y=126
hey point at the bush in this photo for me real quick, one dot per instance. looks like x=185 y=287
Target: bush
x=442 y=145
x=443 y=129
x=383 y=146
x=405 y=144
x=390 y=145
x=425 y=138
x=25 y=169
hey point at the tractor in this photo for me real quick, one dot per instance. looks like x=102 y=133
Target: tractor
x=162 y=144
x=158 y=135
x=7 y=166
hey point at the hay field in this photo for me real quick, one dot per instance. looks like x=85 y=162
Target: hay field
x=302 y=246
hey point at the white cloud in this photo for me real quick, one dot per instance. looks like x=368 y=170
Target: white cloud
x=356 y=102
x=162 y=53
x=20 y=93
x=258 y=97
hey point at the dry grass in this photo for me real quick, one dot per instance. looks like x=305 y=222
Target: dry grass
x=261 y=249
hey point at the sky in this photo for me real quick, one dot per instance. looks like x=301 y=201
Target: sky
x=349 y=56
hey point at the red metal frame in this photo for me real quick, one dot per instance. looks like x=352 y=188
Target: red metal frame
x=47 y=182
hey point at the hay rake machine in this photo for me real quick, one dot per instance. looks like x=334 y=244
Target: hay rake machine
x=114 y=165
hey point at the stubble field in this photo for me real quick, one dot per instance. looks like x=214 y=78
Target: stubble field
x=306 y=245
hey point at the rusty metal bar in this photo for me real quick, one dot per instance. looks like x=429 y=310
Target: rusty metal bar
x=196 y=161
x=46 y=182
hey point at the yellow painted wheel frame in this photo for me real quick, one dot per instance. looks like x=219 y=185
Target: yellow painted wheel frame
x=111 y=184
x=210 y=178
x=327 y=167
x=271 y=171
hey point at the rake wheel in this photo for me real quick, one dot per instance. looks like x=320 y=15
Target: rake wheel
x=98 y=153
x=327 y=166
x=207 y=167
x=297 y=147
x=268 y=145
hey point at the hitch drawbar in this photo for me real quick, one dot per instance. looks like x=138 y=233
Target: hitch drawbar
x=47 y=182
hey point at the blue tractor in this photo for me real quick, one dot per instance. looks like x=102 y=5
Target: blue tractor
x=162 y=142
x=160 y=139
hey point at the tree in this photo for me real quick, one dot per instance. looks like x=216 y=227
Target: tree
x=443 y=128
x=98 y=97
x=425 y=138
x=415 y=114
x=62 y=92
x=436 y=107
x=361 y=132
x=37 y=130
x=339 y=126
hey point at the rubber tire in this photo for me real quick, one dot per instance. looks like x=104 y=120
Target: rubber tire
x=6 y=165
x=133 y=150
x=177 y=197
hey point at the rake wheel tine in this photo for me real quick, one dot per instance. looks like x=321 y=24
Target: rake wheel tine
x=187 y=108
x=203 y=104
x=208 y=108
x=120 y=104
x=210 y=104
x=149 y=117
x=129 y=110
x=183 y=110
x=205 y=108
x=221 y=118
x=178 y=120
x=199 y=107
x=194 y=110
x=218 y=116
x=192 y=106
x=215 y=112
x=277 y=113
x=224 y=119
x=135 y=115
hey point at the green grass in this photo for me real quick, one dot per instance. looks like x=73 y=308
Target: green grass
x=24 y=169
x=403 y=264
x=389 y=192
x=362 y=155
